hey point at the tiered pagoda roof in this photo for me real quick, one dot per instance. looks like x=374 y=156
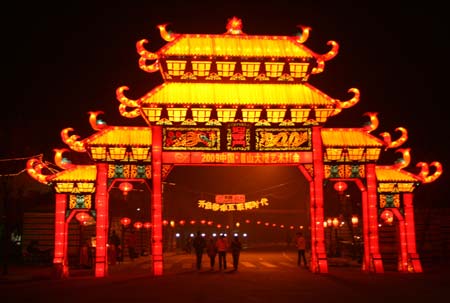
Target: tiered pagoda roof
x=233 y=76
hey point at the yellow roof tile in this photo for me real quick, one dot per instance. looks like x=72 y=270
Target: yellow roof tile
x=236 y=45
x=122 y=135
x=354 y=137
x=76 y=173
x=387 y=173
x=237 y=94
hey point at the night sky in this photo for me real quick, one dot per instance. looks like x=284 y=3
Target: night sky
x=65 y=59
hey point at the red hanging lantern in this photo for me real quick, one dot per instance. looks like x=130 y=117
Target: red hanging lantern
x=387 y=216
x=82 y=217
x=340 y=187
x=138 y=225
x=125 y=187
x=125 y=221
x=148 y=225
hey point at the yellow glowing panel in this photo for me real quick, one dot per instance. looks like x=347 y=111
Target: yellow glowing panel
x=334 y=153
x=274 y=69
x=250 y=69
x=201 y=68
x=299 y=115
x=85 y=187
x=64 y=187
x=405 y=187
x=323 y=114
x=117 y=153
x=153 y=113
x=355 y=153
x=298 y=70
x=251 y=115
x=226 y=68
x=201 y=114
x=176 y=68
x=98 y=153
x=373 y=153
x=177 y=114
x=275 y=115
x=140 y=153
x=226 y=114
x=386 y=187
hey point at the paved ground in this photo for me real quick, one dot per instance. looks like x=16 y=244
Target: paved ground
x=263 y=276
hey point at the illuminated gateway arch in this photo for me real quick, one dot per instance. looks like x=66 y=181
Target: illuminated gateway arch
x=236 y=99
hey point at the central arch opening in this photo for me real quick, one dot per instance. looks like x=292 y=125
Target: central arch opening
x=284 y=187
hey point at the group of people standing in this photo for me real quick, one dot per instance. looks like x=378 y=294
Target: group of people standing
x=215 y=248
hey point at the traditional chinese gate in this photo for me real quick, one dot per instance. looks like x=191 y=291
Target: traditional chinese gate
x=237 y=99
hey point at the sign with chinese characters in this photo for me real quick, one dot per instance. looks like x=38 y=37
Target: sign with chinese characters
x=238 y=137
x=232 y=206
x=182 y=138
x=230 y=199
x=250 y=158
x=283 y=139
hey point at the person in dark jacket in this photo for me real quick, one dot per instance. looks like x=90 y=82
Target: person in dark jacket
x=236 y=247
x=199 y=245
x=211 y=251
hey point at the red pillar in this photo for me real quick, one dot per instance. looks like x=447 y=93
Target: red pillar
x=371 y=239
x=157 y=247
x=413 y=256
x=101 y=203
x=317 y=213
x=402 y=264
x=314 y=261
x=59 y=257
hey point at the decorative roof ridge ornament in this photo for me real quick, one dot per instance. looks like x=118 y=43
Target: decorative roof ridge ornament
x=373 y=122
x=72 y=141
x=397 y=143
x=405 y=160
x=146 y=56
x=34 y=169
x=424 y=172
x=60 y=161
x=326 y=57
x=349 y=103
x=234 y=26
x=166 y=35
x=125 y=102
x=96 y=124
x=304 y=35
x=143 y=52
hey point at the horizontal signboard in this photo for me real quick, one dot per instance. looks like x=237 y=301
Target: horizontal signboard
x=250 y=158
